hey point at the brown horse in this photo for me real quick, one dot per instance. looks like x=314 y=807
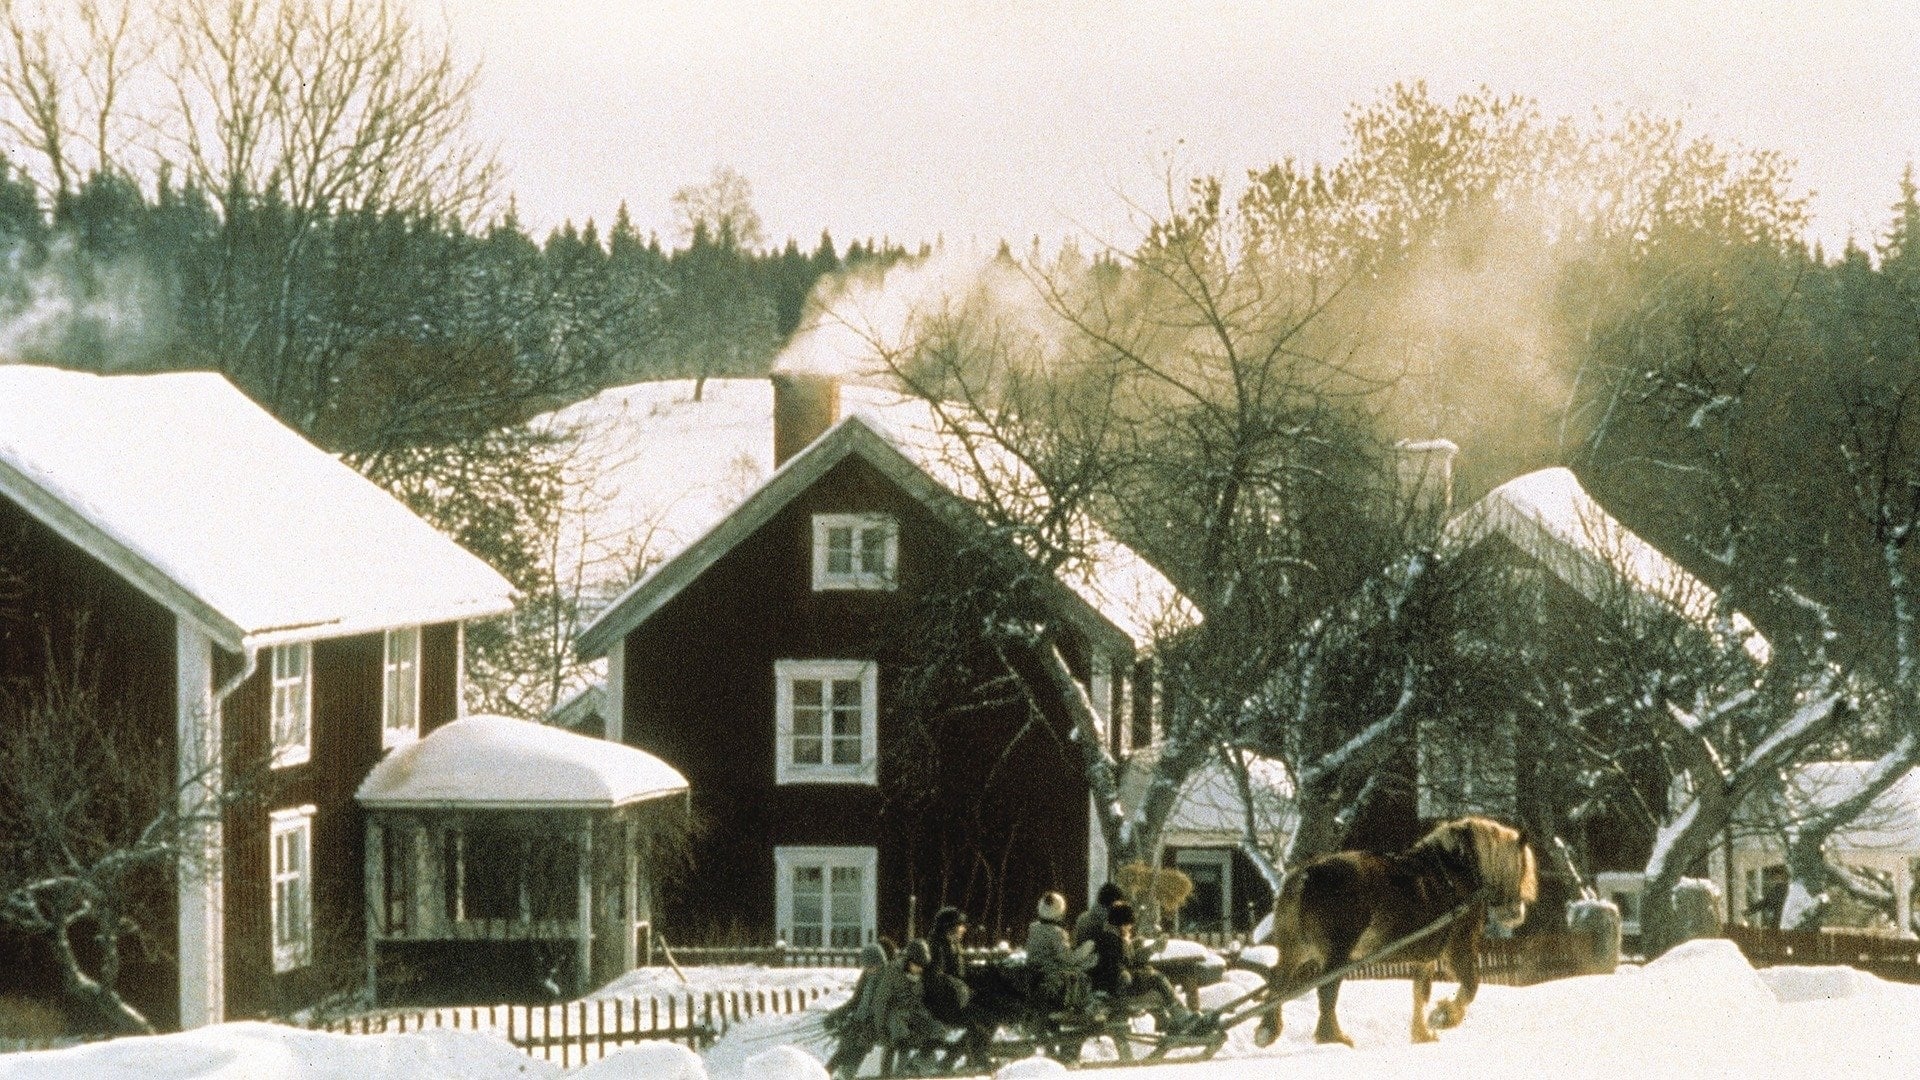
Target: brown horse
x=1341 y=907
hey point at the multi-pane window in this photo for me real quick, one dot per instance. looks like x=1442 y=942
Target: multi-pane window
x=854 y=551
x=292 y=674
x=401 y=714
x=291 y=838
x=511 y=875
x=825 y=895
x=825 y=725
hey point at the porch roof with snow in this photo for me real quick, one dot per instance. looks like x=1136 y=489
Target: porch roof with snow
x=1211 y=810
x=1551 y=518
x=500 y=763
x=1890 y=824
x=208 y=504
x=1114 y=591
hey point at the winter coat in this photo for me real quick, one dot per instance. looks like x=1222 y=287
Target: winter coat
x=1091 y=922
x=854 y=1020
x=1112 y=964
x=1050 y=953
x=946 y=984
x=900 y=1009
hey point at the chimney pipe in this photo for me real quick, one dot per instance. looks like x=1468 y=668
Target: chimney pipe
x=1425 y=473
x=805 y=405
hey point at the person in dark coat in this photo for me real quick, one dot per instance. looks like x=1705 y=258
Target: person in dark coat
x=1123 y=976
x=1094 y=919
x=855 y=1025
x=946 y=983
x=907 y=1029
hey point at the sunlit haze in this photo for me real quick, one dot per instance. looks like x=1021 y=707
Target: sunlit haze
x=989 y=119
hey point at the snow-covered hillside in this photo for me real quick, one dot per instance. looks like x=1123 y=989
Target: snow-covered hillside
x=1698 y=1012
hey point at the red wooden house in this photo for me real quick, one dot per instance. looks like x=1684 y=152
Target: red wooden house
x=856 y=755
x=266 y=617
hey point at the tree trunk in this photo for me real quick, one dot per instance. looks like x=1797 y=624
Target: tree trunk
x=114 y=1015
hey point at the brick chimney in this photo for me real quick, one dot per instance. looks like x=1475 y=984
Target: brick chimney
x=805 y=405
x=1425 y=474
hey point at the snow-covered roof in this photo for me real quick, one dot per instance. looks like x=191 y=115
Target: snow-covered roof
x=1890 y=824
x=199 y=497
x=671 y=472
x=1209 y=809
x=1548 y=515
x=500 y=763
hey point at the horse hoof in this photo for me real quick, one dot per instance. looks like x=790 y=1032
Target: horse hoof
x=1265 y=1035
x=1446 y=1016
x=1330 y=1037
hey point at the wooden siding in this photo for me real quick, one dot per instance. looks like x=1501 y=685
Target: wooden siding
x=58 y=603
x=974 y=808
x=348 y=689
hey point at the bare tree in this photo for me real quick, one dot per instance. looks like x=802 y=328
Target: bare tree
x=65 y=85
x=91 y=828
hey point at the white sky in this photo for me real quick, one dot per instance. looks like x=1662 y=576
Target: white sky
x=991 y=118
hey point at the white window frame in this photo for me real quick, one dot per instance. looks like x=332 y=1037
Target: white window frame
x=788 y=859
x=290 y=891
x=788 y=672
x=400 y=688
x=290 y=671
x=861 y=576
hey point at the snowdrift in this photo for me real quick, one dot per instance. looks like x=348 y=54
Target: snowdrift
x=1701 y=1011
x=261 y=1051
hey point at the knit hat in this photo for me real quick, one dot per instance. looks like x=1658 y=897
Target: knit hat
x=1053 y=906
x=946 y=919
x=1120 y=913
x=1109 y=894
x=918 y=952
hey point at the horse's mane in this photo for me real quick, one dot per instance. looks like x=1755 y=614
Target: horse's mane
x=1497 y=852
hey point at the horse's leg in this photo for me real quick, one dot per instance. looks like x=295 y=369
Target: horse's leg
x=1328 y=1029
x=1270 y=1025
x=1422 y=990
x=1463 y=957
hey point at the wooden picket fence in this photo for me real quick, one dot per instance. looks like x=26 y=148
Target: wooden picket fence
x=1520 y=961
x=578 y=1032
x=777 y=955
x=1896 y=959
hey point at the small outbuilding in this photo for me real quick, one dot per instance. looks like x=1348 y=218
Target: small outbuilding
x=509 y=860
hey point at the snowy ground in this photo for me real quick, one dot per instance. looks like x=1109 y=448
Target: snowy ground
x=1698 y=1012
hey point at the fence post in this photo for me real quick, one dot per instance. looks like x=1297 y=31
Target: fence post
x=1595 y=925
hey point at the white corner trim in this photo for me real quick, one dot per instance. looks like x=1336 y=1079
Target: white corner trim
x=200 y=876
x=613 y=710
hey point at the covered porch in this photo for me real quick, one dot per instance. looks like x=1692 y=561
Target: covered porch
x=511 y=861
x=1881 y=847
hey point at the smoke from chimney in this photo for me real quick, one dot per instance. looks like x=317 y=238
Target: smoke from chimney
x=805 y=405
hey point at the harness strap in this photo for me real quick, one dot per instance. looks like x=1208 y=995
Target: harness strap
x=1229 y=1018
